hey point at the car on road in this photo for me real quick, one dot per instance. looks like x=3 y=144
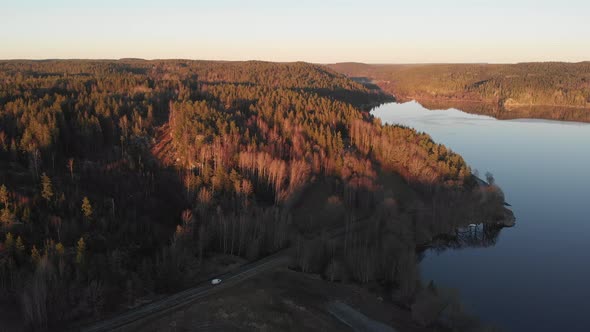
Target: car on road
x=215 y=281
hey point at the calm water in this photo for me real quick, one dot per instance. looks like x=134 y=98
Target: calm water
x=537 y=276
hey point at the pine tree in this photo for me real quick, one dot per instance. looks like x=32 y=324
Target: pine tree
x=20 y=246
x=4 y=196
x=80 y=250
x=35 y=256
x=9 y=241
x=59 y=249
x=6 y=217
x=47 y=187
x=86 y=208
x=26 y=217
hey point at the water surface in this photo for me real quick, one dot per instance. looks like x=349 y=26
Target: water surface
x=537 y=276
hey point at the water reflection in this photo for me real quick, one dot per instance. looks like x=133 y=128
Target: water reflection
x=473 y=236
x=533 y=277
x=522 y=112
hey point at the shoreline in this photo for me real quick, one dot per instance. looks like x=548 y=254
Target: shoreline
x=560 y=113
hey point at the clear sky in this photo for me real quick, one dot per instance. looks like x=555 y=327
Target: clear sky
x=374 y=31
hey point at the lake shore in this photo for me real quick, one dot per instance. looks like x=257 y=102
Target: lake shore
x=524 y=156
x=503 y=111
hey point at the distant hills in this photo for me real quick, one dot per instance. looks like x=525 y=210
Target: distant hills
x=550 y=90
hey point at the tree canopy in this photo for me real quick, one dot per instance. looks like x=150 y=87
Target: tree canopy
x=176 y=160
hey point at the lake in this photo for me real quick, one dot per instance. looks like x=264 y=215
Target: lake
x=537 y=276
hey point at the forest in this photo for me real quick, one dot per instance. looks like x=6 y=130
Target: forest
x=548 y=90
x=123 y=179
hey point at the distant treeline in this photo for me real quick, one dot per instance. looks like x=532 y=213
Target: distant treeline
x=118 y=179
x=552 y=90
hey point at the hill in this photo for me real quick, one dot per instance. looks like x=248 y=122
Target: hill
x=122 y=180
x=549 y=90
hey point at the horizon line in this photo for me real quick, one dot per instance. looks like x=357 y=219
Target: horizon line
x=292 y=61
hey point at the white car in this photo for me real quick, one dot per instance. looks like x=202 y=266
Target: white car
x=215 y=281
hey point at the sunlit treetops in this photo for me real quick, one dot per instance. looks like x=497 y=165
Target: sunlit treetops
x=546 y=89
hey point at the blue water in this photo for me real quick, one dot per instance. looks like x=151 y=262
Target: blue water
x=537 y=276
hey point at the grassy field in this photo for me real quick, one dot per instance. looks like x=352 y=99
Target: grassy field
x=281 y=301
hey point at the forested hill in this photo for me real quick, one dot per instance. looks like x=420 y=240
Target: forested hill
x=552 y=90
x=122 y=179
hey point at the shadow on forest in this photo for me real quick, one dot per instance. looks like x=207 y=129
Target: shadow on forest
x=153 y=220
x=357 y=98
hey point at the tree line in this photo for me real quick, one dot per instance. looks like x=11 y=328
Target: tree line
x=549 y=90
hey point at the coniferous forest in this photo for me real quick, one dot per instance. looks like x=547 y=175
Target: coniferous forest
x=122 y=179
x=546 y=90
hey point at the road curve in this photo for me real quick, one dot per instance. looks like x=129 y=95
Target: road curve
x=356 y=320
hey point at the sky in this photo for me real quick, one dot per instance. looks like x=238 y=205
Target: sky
x=371 y=31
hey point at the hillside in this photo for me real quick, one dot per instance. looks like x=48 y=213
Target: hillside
x=122 y=180
x=552 y=90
